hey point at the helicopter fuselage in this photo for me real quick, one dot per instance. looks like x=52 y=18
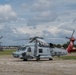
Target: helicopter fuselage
x=41 y=52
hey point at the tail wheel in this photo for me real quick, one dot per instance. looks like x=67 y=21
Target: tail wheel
x=58 y=55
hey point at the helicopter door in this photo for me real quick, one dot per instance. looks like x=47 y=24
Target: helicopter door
x=35 y=50
x=29 y=51
x=40 y=52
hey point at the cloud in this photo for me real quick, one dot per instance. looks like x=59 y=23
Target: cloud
x=47 y=18
x=42 y=17
x=49 y=10
x=40 y=5
x=11 y=36
x=39 y=12
x=7 y=13
x=37 y=5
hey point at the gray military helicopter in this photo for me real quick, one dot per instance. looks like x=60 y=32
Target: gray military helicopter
x=39 y=49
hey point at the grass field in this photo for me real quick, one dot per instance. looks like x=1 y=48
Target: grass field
x=7 y=52
x=68 y=57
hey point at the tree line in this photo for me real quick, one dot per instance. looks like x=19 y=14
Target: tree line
x=65 y=45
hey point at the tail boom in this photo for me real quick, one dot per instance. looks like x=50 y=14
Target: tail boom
x=70 y=46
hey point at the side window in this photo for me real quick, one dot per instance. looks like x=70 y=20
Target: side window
x=23 y=48
x=55 y=53
x=40 y=51
x=59 y=53
x=29 y=49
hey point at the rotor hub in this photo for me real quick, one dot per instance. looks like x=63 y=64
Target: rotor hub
x=72 y=39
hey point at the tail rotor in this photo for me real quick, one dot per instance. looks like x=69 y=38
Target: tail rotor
x=71 y=43
x=72 y=33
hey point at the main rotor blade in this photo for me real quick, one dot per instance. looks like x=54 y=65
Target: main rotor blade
x=67 y=37
x=32 y=40
x=56 y=38
x=72 y=33
x=1 y=37
x=24 y=39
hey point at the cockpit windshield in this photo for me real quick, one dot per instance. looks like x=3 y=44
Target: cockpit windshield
x=21 y=48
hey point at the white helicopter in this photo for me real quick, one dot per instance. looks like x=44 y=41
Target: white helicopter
x=40 y=49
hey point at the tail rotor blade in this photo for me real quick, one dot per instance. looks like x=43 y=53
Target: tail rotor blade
x=73 y=33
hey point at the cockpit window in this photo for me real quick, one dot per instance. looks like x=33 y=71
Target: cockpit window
x=19 y=48
x=23 y=48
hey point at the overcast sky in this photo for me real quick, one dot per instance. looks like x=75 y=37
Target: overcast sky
x=21 y=19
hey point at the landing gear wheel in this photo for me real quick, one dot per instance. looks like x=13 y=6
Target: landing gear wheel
x=50 y=58
x=37 y=59
x=24 y=59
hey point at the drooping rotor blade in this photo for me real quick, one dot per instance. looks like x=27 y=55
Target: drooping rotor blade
x=42 y=41
x=67 y=37
x=34 y=38
x=30 y=39
x=18 y=39
x=24 y=39
x=72 y=33
x=1 y=37
x=60 y=38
